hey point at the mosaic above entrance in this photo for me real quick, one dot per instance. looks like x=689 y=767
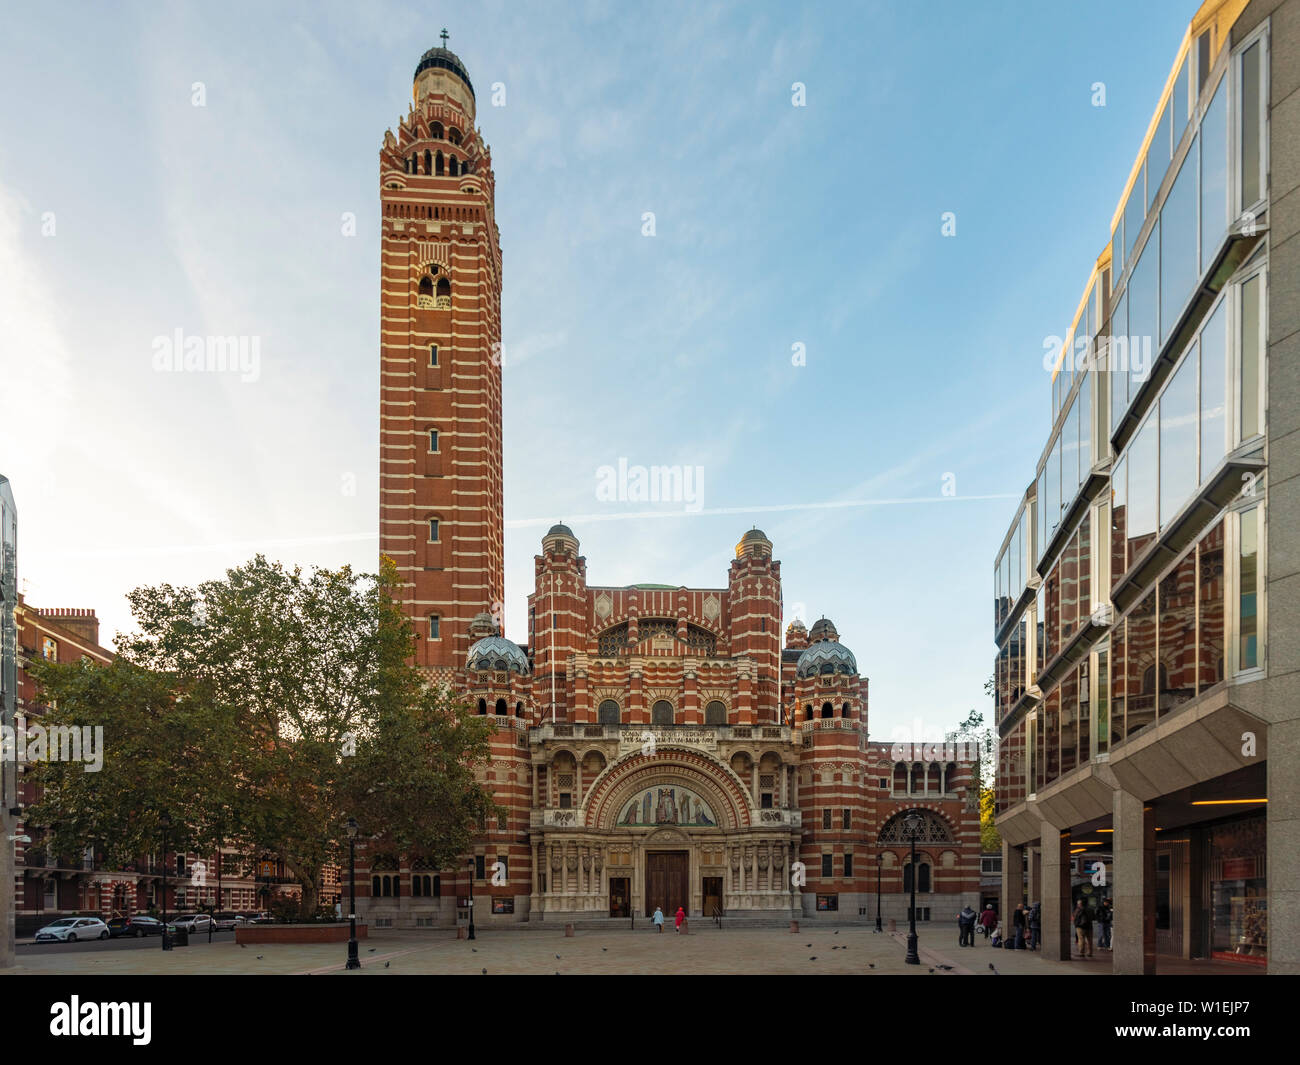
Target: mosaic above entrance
x=667 y=806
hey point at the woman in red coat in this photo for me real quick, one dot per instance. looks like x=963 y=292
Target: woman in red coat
x=681 y=916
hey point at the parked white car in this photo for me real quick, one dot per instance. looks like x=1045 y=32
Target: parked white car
x=192 y=923
x=71 y=929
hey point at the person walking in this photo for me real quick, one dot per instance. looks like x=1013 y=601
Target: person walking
x=1035 y=925
x=1083 y=929
x=658 y=919
x=988 y=920
x=1105 y=918
x=677 y=921
x=966 y=926
x=1018 y=923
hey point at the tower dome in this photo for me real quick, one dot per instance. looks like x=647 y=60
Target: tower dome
x=754 y=542
x=823 y=629
x=444 y=59
x=498 y=653
x=826 y=656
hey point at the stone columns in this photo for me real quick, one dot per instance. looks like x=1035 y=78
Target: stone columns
x=1035 y=874
x=1283 y=837
x=1013 y=878
x=1134 y=877
x=1058 y=929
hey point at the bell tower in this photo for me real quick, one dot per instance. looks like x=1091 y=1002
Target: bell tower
x=440 y=496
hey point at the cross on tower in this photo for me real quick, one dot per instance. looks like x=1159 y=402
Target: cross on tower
x=443 y=35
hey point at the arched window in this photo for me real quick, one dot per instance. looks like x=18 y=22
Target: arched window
x=844 y=710
x=466 y=168
x=519 y=709
x=452 y=166
x=424 y=297
x=608 y=713
x=376 y=887
x=437 y=164
x=444 y=294
x=502 y=710
x=453 y=135
x=661 y=713
x=808 y=712
x=426 y=286
x=482 y=706
x=828 y=710
x=922 y=876
x=428 y=159
x=715 y=713
x=435 y=131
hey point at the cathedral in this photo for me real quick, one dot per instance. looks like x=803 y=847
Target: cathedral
x=654 y=745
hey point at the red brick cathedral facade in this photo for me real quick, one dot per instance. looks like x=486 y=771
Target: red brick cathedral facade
x=654 y=745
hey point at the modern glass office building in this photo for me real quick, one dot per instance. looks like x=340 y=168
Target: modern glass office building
x=1147 y=600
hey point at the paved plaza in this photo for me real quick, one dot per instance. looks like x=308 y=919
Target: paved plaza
x=823 y=949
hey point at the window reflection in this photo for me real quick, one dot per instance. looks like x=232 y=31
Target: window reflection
x=1178 y=265
x=1142 y=489
x=1142 y=682
x=1178 y=635
x=1211 y=580
x=1214 y=176
x=1178 y=439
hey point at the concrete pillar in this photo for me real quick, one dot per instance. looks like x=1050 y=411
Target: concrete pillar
x=1013 y=883
x=1058 y=930
x=1133 y=875
x=1283 y=844
x=1035 y=875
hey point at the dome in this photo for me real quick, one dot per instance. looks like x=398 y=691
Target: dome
x=823 y=629
x=754 y=534
x=560 y=530
x=498 y=653
x=826 y=656
x=755 y=543
x=445 y=59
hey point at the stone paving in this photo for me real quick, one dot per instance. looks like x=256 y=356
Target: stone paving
x=820 y=949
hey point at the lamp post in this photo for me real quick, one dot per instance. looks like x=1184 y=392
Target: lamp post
x=471 y=896
x=913 y=822
x=165 y=821
x=354 y=960
x=879 y=858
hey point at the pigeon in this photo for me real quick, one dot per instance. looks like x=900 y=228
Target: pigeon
x=243 y=946
x=813 y=958
x=387 y=964
x=260 y=957
x=871 y=964
x=557 y=957
x=994 y=971
x=807 y=944
x=371 y=950
x=947 y=968
x=837 y=933
x=474 y=949
x=603 y=949
x=485 y=972
x=931 y=970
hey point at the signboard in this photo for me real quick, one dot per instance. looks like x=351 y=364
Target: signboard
x=266 y=869
x=503 y=905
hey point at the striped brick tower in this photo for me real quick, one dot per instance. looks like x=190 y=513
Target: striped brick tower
x=440 y=365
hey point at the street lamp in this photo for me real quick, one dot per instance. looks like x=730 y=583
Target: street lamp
x=472 y=870
x=879 y=859
x=913 y=823
x=354 y=961
x=166 y=822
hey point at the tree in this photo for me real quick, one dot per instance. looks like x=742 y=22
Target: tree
x=234 y=709
x=984 y=737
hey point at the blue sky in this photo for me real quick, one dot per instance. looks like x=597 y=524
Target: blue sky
x=127 y=212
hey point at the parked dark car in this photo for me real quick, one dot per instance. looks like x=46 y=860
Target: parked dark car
x=135 y=926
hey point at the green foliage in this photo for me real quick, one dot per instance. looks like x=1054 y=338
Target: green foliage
x=232 y=709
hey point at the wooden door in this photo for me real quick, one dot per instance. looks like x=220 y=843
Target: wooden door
x=666 y=874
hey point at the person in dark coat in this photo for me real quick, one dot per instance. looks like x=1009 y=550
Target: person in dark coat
x=966 y=926
x=1083 y=929
x=1018 y=923
x=1035 y=925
